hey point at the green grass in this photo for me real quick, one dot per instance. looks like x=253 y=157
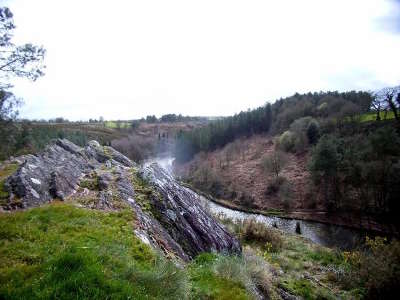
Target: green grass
x=299 y=287
x=371 y=116
x=207 y=285
x=60 y=251
x=304 y=269
x=114 y=124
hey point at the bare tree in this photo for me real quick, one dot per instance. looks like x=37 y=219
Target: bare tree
x=389 y=98
x=229 y=153
x=385 y=100
x=377 y=107
x=274 y=163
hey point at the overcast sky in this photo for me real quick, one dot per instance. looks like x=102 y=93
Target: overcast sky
x=127 y=59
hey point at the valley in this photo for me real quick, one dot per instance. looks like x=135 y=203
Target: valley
x=199 y=150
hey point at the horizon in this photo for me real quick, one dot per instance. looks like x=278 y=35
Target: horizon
x=130 y=60
x=210 y=117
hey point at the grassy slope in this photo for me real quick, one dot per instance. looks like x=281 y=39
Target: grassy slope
x=63 y=251
x=308 y=270
x=371 y=116
x=301 y=267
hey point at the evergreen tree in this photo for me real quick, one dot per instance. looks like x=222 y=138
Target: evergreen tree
x=313 y=132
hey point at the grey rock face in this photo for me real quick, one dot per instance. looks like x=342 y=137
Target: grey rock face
x=52 y=174
x=55 y=173
x=104 y=180
x=148 y=229
x=180 y=212
x=177 y=225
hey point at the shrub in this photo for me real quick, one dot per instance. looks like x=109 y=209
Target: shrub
x=253 y=231
x=286 y=141
x=377 y=268
x=280 y=186
x=205 y=178
x=90 y=183
x=305 y=131
x=246 y=200
x=274 y=163
x=300 y=142
x=275 y=185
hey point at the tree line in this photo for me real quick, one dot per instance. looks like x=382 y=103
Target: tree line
x=171 y=118
x=273 y=118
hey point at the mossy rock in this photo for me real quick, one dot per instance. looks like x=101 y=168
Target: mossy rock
x=145 y=193
x=5 y=172
x=91 y=182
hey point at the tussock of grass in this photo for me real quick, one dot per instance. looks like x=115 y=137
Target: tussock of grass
x=208 y=284
x=231 y=277
x=253 y=231
x=165 y=280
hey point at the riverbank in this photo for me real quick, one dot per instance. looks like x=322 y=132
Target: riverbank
x=347 y=220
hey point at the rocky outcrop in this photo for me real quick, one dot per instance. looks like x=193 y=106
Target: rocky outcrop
x=168 y=216
x=180 y=212
x=56 y=171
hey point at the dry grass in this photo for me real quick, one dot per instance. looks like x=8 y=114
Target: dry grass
x=253 y=231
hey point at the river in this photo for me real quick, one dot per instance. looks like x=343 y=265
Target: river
x=320 y=233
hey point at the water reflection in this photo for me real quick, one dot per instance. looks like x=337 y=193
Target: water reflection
x=320 y=233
